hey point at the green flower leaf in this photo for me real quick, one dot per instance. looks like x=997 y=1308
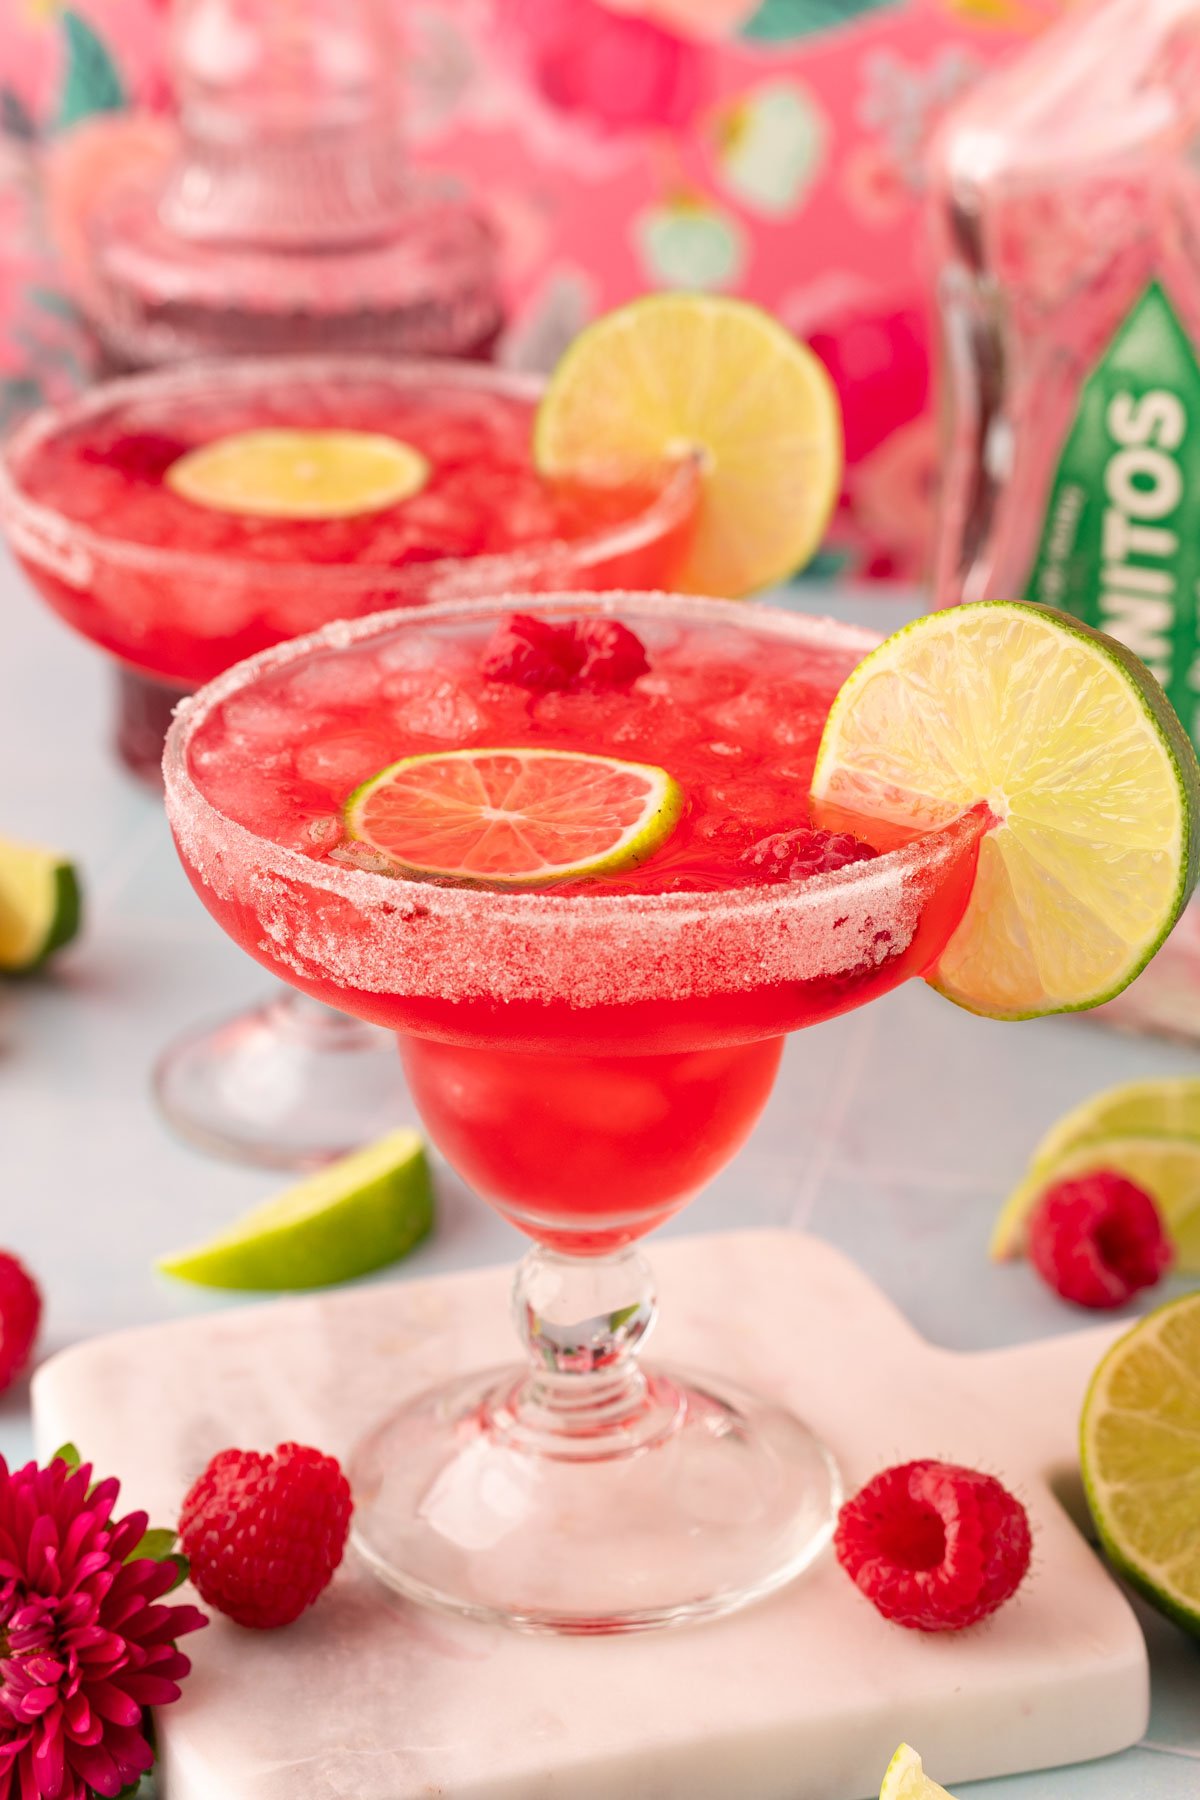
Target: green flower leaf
x=182 y=1570
x=67 y=1454
x=782 y=21
x=91 y=83
x=155 y=1544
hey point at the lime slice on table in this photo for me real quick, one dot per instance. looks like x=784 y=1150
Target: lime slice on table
x=40 y=905
x=1167 y=1168
x=1140 y=1448
x=515 y=817
x=285 y=474
x=1163 y=1106
x=1093 y=784
x=907 y=1780
x=358 y=1214
x=673 y=375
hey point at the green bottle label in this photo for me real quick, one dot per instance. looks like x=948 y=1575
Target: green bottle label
x=1120 y=546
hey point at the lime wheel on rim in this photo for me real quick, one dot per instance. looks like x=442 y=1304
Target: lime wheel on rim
x=674 y=375
x=1091 y=780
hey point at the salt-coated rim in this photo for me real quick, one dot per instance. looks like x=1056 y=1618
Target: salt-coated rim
x=669 y=507
x=194 y=816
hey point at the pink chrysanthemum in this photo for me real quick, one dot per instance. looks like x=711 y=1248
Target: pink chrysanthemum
x=84 y=1644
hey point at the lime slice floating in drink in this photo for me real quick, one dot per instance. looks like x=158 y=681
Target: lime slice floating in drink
x=515 y=818
x=1092 y=782
x=1140 y=1447
x=907 y=1780
x=674 y=375
x=40 y=905
x=289 y=474
x=358 y=1214
x=1168 y=1169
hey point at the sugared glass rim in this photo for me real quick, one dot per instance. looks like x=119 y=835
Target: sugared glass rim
x=31 y=521
x=195 y=819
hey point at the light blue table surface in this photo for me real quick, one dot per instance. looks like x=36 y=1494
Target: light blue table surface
x=894 y=1131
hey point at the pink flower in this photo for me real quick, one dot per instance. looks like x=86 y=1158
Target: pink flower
x=621 y=71
x=84 y=1644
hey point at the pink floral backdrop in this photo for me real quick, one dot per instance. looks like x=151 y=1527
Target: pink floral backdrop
x=772 y=148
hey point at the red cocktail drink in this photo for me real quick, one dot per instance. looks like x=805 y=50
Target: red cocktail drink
x=587 y=1050
x=615 y=1034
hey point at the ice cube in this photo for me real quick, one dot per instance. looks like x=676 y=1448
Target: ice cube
x=343 y=761
x=443 y=711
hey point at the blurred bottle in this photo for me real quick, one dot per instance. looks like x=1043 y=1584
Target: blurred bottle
x=290 y=220
x=1066 y=215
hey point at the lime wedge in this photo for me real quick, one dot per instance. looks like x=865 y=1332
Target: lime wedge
x=1140 y=1447
x=1167 y=1168
x=515 y=817
x=278 y=474
x=675 y=375
x=907 y=1780
x=1167 y=1106
x=40 y=905
x=358 y=1214
x=1093 y=784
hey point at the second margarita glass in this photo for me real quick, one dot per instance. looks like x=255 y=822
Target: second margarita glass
x=176 y=592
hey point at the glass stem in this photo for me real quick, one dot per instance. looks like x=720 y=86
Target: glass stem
x=296 y=1015
x=585 y=1395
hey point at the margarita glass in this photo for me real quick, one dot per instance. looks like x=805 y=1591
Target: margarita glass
x=587 y=1055
x=178 y=591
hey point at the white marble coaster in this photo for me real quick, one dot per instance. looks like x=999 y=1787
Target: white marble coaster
x=803 y=1697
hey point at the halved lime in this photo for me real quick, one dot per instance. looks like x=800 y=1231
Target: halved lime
x=515 y=817
x=1091 y=779
x=286 y=474
x=358 y=1214
x=1167 y=1168
x=674 y=375
x=1163 y=1106
x=906 y=1779
x=1140 y=1448
x=40 y=905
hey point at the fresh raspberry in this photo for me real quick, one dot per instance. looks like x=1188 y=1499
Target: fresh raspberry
x=20 y=1315
x=613 y=656
x=263 y=1534
x=933 y=1546
x=807 y=851
x=533 y=653
x=1097 y=1239
x=140 y=455
x=583 y=653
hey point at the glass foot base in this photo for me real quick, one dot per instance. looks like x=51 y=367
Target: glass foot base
x=292 y=1085
x=704 y=1499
